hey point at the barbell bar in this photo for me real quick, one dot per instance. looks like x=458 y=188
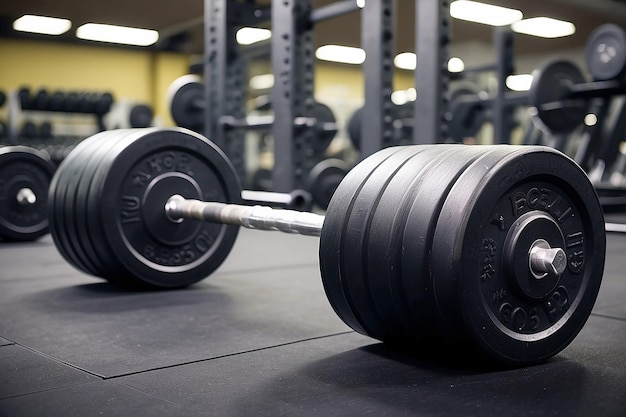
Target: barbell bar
x=501 y=246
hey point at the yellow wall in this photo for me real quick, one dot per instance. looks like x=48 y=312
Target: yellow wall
x=134 y=75
x=144 y=76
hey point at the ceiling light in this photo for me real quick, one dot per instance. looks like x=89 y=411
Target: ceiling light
x=117 y=34
x=42 y=24
x=544 y=27
x=262 y=82
x=401 y=97
x=455 y=64
x=247 y=35
x=519 y=82
x=360 y=4
x=343 y=54
x=405 y=60
x=484 y=13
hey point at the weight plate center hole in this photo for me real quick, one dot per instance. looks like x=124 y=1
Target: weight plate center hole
x=534 y=255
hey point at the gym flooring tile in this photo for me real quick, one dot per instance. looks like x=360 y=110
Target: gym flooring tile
x=353 y=375
x=110 y=331
x=101 y=398
x=23 y=371
x=612 y=296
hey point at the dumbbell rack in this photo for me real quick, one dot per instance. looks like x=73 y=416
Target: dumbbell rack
x=17 y=110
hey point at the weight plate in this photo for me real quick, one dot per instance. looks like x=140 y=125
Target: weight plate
x=354 y=128
x=333 y=235
x=466 y=112
x=85 y=164
x=402 y=115
x=59 y=217
x=183 y=97
x=140 y=116
x=25 y=176
x=409 y=238
x=91 y=199
x=261 y=180
x=511 y=197
x=382 y=245
x=358 y=233
x=605 y=52
x=324 y=117
x=324 y=178
x=152 y=166
x=549 y=94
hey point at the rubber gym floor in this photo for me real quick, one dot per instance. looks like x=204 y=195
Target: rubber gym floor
x=258 y=338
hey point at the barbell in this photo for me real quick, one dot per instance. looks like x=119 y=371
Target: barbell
x=502 y=246
x=25 y=176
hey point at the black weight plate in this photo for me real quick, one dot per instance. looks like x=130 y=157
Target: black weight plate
x=605 y=52
x=59 y=217
x=403 y=226
x=21 y=168
x=343 y=272
x=484 y=287
x=549 y=94
x=140 y=116
x=151 y=167
x=261 y=180
x=182 y=98
x=382 y=245
x=324 y=115
x=354 y=127
x=84 y=164
x=91 y=200
x=333 y=232
x=324 y=178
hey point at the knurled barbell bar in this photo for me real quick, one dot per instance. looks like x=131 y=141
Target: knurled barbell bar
x=25 y=176
x=499 y=245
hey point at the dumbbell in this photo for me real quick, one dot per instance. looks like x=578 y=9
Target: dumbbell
x=501 y=246
x=25 y=176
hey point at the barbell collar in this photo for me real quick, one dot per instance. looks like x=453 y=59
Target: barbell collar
x=250 y=217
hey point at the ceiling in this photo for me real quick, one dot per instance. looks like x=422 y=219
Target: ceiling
x=180 y=22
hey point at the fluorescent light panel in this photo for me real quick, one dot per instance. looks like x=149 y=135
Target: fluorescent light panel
x=456 y=64
x=262 y=82
x=519 y=82
x=487 y=14
x=248 y=35
x=544 y=27
x=342 y=54
x=401 y=97
x=405 y=60
x=117 y=34
x=42 y=24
